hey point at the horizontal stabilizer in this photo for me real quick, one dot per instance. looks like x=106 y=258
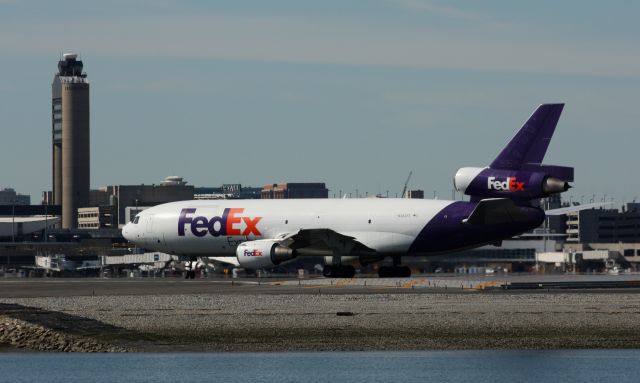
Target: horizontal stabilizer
x=571 y=209
x=493 y=211
x=564 y=173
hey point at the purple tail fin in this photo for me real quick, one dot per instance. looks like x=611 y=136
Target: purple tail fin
x=530 y=144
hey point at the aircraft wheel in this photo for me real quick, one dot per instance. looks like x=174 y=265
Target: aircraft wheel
x=384 y=272
x=347 y=271
x=403 y=272
x=394 y=272
x=339 y=271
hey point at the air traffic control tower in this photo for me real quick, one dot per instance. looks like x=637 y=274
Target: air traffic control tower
x=70 y=123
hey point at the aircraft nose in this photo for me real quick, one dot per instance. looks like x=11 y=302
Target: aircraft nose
x=127 y=232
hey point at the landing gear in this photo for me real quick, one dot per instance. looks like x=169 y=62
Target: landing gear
x=339 y=271
x=394 y=272
x=191 y=273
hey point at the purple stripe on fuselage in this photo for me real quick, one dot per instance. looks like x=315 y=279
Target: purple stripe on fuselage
x=447 y=233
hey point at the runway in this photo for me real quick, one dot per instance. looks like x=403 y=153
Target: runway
x=61 y=287
x=313 y=314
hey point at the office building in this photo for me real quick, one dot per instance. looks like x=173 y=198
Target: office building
x=8 y=196
x=171 y=189
x=295 y=190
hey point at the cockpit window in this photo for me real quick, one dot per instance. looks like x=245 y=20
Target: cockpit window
x=136 y=219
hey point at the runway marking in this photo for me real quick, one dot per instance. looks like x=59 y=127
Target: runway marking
x=482 y=286
x=414 y=282
x=346 y=281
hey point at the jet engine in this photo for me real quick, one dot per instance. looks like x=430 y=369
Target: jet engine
x=263 y=254
x=492 y=183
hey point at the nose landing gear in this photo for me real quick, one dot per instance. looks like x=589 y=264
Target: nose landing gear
x=191 y=273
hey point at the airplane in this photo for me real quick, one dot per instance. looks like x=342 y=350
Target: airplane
x=60 y=263
x=258 y=234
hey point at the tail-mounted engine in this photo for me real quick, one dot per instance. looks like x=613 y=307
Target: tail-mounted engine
x=539 y=182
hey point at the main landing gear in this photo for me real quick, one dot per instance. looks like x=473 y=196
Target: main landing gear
x=395 y=271
x=339 y=271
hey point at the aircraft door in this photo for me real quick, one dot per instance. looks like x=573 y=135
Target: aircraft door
x=153 y=238
x=149 y=227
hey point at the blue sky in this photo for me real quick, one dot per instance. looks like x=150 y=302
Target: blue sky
x=352 y=93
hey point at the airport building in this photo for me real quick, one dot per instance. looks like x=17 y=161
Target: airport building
x=99 y=217
x=295 y=190
x=605 y=225
x=70 y=138
x=227 y=191
x=416 y=194
x=119 y=197
x=556 y=224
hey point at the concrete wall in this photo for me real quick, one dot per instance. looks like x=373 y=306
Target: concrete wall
x=75 y=151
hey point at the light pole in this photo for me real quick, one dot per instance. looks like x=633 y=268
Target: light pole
x=13 y=220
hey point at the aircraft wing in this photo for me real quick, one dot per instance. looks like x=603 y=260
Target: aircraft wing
x=321 y=240
x=493 y=211
x=571 y=209
x=227 y=260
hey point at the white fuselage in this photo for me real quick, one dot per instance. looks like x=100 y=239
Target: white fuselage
x=201 y=228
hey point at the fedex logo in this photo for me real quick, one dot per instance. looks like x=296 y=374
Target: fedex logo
x=511 y=184
x=229 y=224
x=253 y=253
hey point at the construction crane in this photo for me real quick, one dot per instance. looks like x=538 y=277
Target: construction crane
x=404 y=190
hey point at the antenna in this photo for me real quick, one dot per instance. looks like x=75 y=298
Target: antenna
x=404 y=190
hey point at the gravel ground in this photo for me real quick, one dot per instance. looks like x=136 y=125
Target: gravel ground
x=367 y=322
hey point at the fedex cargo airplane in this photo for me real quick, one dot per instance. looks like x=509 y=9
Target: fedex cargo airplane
x=257 y=234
